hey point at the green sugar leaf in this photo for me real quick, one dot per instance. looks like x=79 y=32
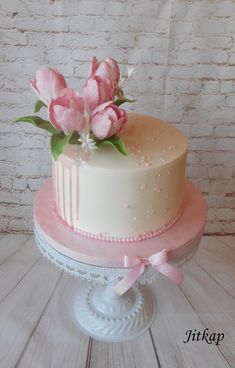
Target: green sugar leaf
x=120 y=101
x=116 y=142
x=38 y=105
x=74 y=138
x=58 y=142
x=40 y=123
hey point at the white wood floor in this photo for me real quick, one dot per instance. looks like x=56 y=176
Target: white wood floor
x=36 y=330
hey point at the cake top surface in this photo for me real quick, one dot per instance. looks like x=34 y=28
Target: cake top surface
x=150 y=142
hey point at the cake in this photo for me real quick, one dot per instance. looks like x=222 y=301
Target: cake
x=112 y=196
x=117 y=176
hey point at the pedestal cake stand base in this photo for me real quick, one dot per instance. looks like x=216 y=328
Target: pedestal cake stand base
x=106 y=316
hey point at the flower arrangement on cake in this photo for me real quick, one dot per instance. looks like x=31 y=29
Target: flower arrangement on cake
x=89 y=119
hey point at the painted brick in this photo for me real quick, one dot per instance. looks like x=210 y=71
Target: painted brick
x=199 y=130
x=224 y=10
x=197 y=10
x=227 y=87
x=216 y=158
x=117 y=8
x=212 y=26
x=228 y=227
x=203 y=184
x=225 y=213
x=211 y=101
x=220 y=172
x=5 y=183
x=219 y=42
x=213 y=227
x=221 y=187
x=195 y=171
x=225 y=131
x=205 y=144
x=230 y=101
x=225 y=144
x=231 y=25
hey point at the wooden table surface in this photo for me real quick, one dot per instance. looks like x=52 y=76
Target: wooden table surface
x=36 y=329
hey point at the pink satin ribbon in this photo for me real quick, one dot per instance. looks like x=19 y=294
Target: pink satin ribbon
x=138 y=264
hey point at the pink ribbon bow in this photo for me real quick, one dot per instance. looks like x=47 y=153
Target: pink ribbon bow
x=138 y=264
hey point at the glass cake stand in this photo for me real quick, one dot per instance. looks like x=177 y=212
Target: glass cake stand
x=98 y=310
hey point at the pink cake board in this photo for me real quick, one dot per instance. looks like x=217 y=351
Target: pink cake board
x=177 y=240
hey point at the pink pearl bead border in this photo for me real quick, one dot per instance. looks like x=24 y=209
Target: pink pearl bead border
x=137 y=238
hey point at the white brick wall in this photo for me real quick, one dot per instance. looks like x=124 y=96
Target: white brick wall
x=184 y=57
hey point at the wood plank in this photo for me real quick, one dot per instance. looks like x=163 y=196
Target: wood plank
x=214 y=306
x=10 y=244
x=22 y=310
x=15 y=267
x=174 y=317
x=218 y=260
x=137 y=353
x=57 y=342
x=228 y=240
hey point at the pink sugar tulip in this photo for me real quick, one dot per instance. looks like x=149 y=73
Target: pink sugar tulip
x=66 y=112
x=107 y=68
x=96 y=91
x=48 y=84
x=107 y=120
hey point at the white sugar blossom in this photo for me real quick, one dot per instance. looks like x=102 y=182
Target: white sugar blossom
x=130 y=71
x=87 y=142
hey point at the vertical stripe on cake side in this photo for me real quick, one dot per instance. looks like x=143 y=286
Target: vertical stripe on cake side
x=60 y=190
x=77 y=191
x=63 y=181
x=67 y=193
x=56 y=185
x=53 y=181
x=73 y=195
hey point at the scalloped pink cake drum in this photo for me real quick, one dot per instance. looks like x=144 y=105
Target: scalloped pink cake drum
x=185 y=233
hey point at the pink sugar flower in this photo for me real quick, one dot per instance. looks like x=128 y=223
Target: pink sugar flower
x=107 y=68
x=107 y=120
x=66 y=112
x=96 y=91
x=48 y=84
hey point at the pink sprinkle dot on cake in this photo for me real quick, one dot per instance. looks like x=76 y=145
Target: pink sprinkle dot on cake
x=144 y=186
x=151 y=211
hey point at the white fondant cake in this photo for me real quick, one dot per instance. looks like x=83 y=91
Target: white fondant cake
x=112 y=196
